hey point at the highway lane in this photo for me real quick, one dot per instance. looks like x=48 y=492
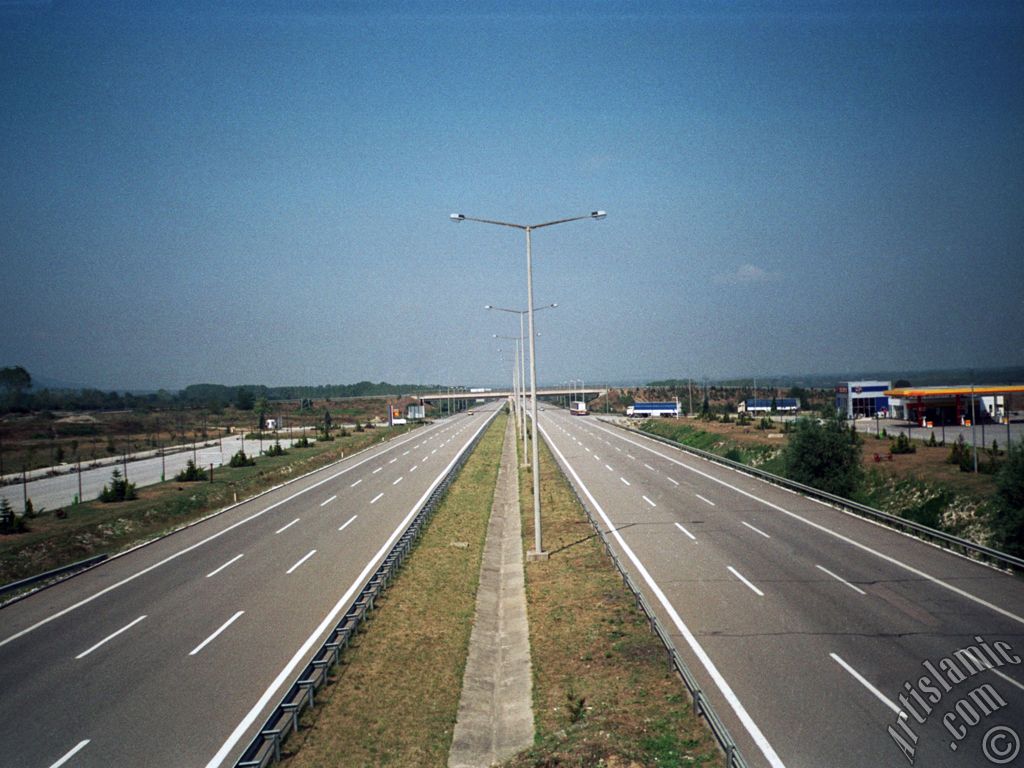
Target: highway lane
x=175 y=653
x=802 y=622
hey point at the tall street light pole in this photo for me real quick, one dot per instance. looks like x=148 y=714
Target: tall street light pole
x=522 y=363
x=538 y=552
x=515 y=375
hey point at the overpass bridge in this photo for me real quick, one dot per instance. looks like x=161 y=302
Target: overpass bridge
x=503 y=394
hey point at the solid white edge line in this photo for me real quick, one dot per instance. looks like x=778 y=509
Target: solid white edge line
x=293 y=522
x=304 y=559
x=841 y=537
x=681 y=528
x=215 y=571
x=854 y=587
x=398 y=443
x=108 y=638
x=706 y=501
x=755 y=530
x=740 y=576
x=748 y=722
x=74 y=751
x=212 y=637
x=649 y=501
x=327 y=501
x=346 y=523
x=863 y=681
x=331 y=618
x=376 y=498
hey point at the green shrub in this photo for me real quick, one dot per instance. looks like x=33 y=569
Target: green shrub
x=902 y=444
x=191 y=473
x=276 y=449
x=9 y=521
x=823 y=456
x=241 y=460
x=119 y=490
x=734 y=454
x=1008 y=516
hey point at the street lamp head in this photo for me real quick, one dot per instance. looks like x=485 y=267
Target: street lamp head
x=593 y=214
x=457 y=217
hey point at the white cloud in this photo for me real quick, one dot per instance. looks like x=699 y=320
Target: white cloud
x=746 y=274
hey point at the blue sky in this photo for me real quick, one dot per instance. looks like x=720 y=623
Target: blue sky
x=259 y=192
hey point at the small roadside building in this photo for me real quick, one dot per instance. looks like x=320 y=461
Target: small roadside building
x=857 y=399
x=757 y=405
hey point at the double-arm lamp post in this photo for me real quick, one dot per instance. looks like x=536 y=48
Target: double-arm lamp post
x=538 y=552
x=522 y=378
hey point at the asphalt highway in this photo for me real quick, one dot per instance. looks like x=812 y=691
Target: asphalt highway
x=174 y=654
x=805 y=624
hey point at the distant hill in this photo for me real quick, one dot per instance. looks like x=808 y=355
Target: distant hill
x=922 y=378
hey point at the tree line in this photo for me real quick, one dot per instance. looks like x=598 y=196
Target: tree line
x=17 y=395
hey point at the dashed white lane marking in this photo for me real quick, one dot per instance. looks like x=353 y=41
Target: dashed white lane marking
x=108 y=638
x=413 y=467
x=393 y=460
x=863 y=681
x=303 y=559
x=212 y=637
x=376 y=498
x=650 y=467
x=608 y=468
x=649 y=501
x=706 y=501
x=624 y=480
x=671 y=480
x=347 y=522
x=74 y=751
x=748 y=722
x=755 y=530
x=215 y=571
x=378 y=469
x=357 y=482
x=325 y=502
x=293 y=522
x=740 y=576
x=681 y=528
x=840 y=578
x=406 y=453
x=397 y=481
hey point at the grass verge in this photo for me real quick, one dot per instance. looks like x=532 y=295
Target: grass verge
x=604 y=694
x=93 y=527
x=400 y=681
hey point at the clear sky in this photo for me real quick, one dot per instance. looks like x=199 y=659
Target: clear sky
x=259 y=192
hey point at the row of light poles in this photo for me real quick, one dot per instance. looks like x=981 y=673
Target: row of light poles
x=538 y=553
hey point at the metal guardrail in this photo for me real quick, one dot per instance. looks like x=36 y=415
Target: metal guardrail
x=265 y=747
x=81 y=565
x=955 y=543
x=733 y=756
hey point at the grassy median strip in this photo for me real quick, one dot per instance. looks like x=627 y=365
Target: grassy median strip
x=604 y=693
x=399 y=683
x=94 y=527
